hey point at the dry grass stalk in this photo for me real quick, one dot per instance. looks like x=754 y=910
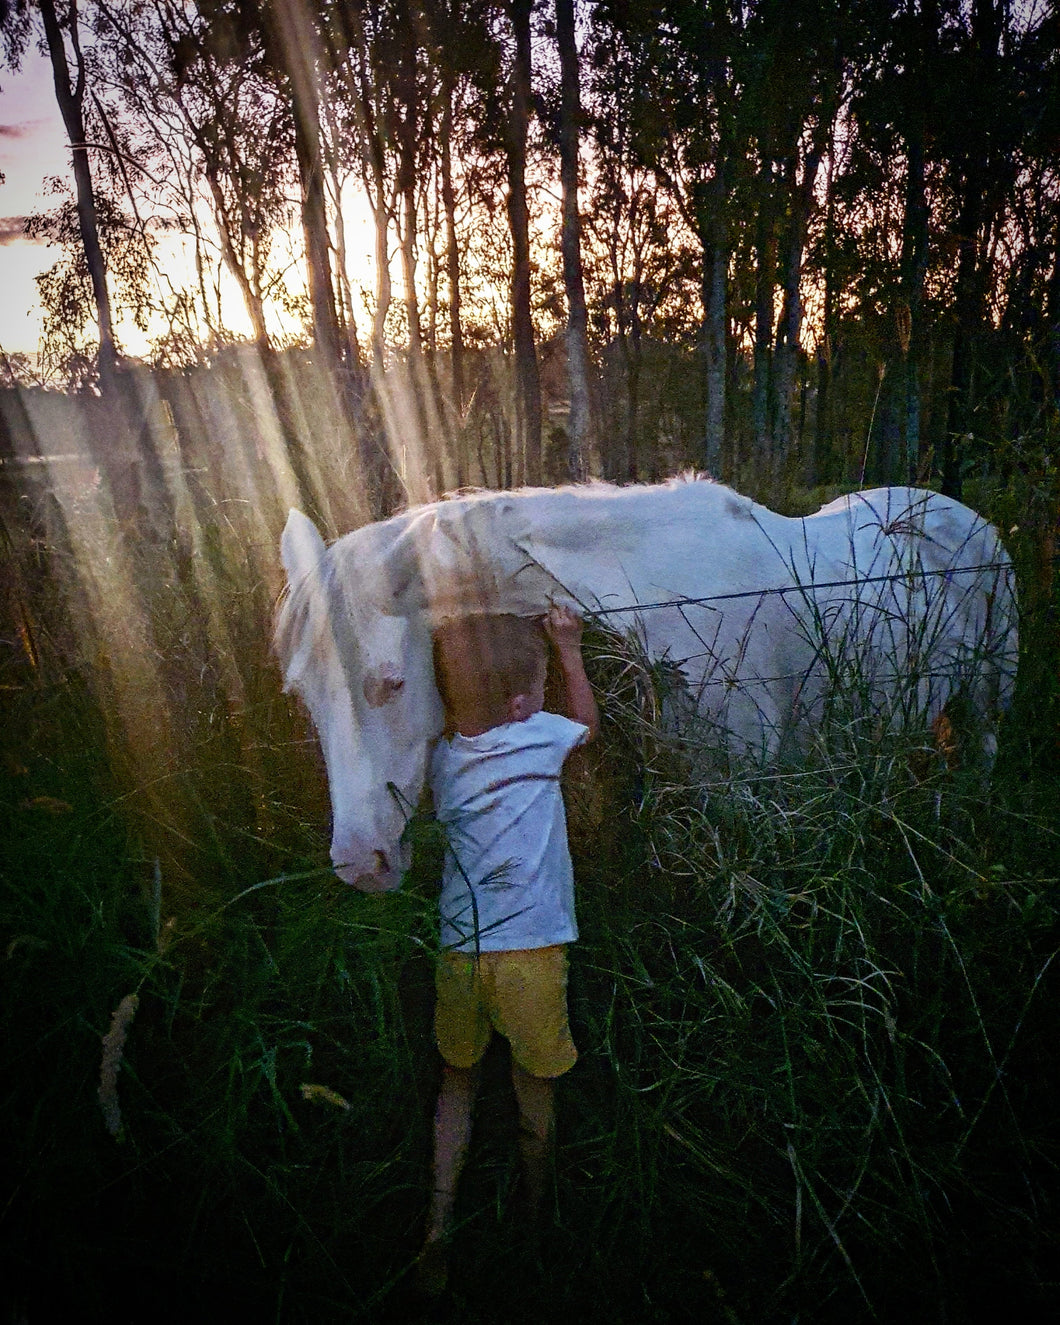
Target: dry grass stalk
x=315 y=1094
x=113 y=1050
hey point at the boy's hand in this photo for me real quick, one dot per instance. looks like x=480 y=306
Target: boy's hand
x=564 y=628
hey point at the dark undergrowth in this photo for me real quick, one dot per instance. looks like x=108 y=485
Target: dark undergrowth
x=816 y=1011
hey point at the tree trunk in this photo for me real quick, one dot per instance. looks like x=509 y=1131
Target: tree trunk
x=914 y=259
x=1049 y=524
x=968 y=298
x=317 y=241
x=618 y=450
x=528 y=382
x=786 y=357
x=966 y=304
x=914 y=269
x=765 y=284
x=315 y=229
x=407 y=116
x=452 y=268
x=71 y=102
x=633 y=352
x=714 y=237
x=383 y=292
x=452 y=248
x=570 y=243
x=293 y=41
x=825 y=469
x=345 y=309
x=407 y=238
x=1051 y=367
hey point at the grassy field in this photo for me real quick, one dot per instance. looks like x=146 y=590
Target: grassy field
x=816 y=1011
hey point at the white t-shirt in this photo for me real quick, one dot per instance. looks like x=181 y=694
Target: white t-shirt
x=508 y=875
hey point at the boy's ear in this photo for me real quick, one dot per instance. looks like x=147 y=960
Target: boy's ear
x=519 y=707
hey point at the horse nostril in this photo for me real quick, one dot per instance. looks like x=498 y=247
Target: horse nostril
x=381 y=862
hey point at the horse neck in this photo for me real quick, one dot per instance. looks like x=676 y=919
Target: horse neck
x=596 y=542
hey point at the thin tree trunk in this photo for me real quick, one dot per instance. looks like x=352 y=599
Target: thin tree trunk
x=249 y=289
x=1050 y=524
x=824 y=466
x=634 y=354
x=452 y=268
x=570 y=244
x=407 y=239
x=410 y=134
x=432 y=219
x=914 y=259
x=1051 y=369
x=914 y=269
x=293 y=41
x=71 y=102
x=314 y=225
x=966 y=303
x=527 y=378
x=618 y=459
x=345 y=308
x=407 y=115
x=383 y=289
x=765 y=283
x=790 y=329
x=715 y=240
x=315 y=228
x=452 y=248
x=968 y=296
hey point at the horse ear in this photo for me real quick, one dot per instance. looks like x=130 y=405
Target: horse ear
x=301 y=547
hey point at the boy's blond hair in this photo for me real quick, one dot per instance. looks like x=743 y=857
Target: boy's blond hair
x=482 y=662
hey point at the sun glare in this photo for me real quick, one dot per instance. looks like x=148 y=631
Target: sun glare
x=33 y=149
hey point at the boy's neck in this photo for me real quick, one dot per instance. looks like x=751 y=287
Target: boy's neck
x=520 y=708
x=470 y=729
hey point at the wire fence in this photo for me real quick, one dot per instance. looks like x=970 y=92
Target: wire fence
x=802 y=588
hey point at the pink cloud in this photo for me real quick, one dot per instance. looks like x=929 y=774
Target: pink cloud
x=12 y=228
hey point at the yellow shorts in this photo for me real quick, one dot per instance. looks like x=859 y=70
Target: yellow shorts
x=521 y=994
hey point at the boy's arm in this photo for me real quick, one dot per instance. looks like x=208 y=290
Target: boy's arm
x=564 y=629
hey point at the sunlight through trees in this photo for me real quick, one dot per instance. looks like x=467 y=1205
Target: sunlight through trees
x=623 y=237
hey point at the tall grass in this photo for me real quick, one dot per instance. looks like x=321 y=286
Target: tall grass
x=816 y=1006
x=819 y=990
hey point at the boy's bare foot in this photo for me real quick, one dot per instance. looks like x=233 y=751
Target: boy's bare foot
x=431 y=1271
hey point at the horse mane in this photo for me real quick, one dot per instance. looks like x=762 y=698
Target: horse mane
x=300 y=625
x=590 y=487
x=293 y=615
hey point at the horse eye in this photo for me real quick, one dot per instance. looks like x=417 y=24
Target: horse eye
x=381 y=689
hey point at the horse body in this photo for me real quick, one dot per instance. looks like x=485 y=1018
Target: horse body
x=763 y=615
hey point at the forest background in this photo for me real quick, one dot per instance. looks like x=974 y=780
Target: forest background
x=814 y=237
x=804 y=247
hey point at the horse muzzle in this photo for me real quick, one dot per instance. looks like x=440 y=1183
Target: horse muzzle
x=370 y=872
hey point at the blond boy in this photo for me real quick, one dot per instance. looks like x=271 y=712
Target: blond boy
x=507 y=903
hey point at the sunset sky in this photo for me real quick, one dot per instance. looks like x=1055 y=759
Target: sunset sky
x=32 y=146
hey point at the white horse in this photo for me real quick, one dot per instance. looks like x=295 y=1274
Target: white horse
x=905 y=594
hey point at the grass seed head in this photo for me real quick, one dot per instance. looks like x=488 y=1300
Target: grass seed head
x=113 y=1051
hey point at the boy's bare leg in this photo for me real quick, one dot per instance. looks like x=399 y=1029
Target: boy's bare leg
x=537 y=1127
x=452 y=1132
